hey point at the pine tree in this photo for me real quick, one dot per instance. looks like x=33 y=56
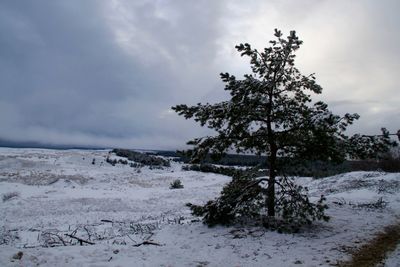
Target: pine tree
x=271 y=113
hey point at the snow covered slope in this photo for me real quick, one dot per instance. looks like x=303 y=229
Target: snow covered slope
x=49 y=194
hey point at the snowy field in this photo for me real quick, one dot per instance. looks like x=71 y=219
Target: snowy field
x=51 y=197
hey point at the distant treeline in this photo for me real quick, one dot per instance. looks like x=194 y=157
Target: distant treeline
x=15 y=144
x=142 y=158
x=227 y=160
x=310 y=168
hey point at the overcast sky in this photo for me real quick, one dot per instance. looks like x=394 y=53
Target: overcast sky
x=106 y=72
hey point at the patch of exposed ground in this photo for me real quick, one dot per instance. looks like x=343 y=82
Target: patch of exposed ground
x=376 y=250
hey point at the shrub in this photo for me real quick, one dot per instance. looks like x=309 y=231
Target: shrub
x=10 y=195
x=176 y=184
x=124 y=162
x=113 y=162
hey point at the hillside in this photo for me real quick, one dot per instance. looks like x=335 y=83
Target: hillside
x=52 y=200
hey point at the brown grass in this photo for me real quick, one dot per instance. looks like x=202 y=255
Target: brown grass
x=376 y=250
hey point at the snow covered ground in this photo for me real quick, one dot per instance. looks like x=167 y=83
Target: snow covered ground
x=49 y=194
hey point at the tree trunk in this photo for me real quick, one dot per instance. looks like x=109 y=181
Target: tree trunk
x=272 y=157
x=271 y=183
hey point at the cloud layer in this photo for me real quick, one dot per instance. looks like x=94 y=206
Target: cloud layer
x=107 y=72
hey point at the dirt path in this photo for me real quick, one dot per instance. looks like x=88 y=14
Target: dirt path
x=376 y=250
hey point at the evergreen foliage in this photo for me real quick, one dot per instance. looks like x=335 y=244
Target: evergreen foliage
x=206 y=167
x=141 y=158
x=243 y=200
x=176 y=184
x=271 y=113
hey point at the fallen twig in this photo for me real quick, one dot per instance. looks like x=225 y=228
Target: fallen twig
x=147 y=242
x=81 y=241
x=87 y=231
x=60 y=238
x=130 y=238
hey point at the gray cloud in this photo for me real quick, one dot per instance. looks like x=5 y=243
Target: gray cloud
x=107 y=72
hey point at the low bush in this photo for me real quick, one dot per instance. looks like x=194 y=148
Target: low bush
x=10 y=195
x=176 y=184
